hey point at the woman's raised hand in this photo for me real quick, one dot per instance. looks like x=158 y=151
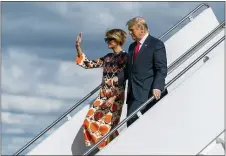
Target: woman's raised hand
x=78 y=40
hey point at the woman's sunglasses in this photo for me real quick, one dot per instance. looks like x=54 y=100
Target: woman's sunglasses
x=108 y=39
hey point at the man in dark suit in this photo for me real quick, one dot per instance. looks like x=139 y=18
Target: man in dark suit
x=146 y=68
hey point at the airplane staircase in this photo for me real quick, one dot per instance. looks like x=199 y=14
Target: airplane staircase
x=189 y=120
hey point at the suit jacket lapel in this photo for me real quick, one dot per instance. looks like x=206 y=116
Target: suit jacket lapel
x=132 y=53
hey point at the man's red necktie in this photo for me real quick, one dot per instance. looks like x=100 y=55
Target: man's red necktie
x=136 y=50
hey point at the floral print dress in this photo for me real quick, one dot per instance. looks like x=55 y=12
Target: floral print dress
x=100 y=119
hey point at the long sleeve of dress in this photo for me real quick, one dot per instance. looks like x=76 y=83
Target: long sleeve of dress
x=84 y=62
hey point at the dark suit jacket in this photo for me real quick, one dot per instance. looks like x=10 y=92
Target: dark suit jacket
x=147 y=72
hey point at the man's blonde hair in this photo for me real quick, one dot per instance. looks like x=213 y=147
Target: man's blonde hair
x=139 y=21
x=118 y=34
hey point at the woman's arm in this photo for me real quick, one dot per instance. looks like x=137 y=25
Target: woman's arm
x=82 y=60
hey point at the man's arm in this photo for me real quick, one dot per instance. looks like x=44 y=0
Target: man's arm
x=160 y=63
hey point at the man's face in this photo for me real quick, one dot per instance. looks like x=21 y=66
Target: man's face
x=135 y=32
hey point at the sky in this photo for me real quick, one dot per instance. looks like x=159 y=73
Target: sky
x=40 y=80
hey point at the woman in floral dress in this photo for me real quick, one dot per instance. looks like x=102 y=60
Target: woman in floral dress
x=105 y=112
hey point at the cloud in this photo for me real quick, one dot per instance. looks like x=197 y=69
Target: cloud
x=25 y=120
x=19 y=129
x=15 y=142
x=37 y=85
x=49 y=29
x=26 y=73
x=40 y=79
x=14 y=130
x=30 y=104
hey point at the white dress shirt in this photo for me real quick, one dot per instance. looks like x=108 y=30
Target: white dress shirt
x=142 y=40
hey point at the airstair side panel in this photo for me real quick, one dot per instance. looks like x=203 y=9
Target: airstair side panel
x=183 y=122
x=190 y=34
